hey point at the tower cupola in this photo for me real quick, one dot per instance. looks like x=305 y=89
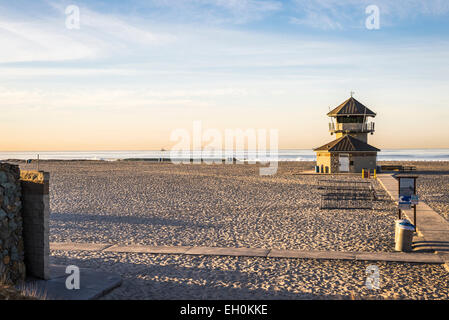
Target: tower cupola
x=351 y=117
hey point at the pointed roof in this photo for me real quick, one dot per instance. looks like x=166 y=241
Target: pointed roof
x=347 y=143
x=351 y=107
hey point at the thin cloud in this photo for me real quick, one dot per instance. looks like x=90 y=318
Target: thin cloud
x=45 y=38
x=116 y=28
x=34 y=41
x=336 y=14
x=216 y=11
x=318 y=21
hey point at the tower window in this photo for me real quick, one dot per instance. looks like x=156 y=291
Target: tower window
x=350 y=119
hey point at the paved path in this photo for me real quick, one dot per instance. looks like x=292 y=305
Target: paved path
x=432 y=229
x=94 y=285
x=414 y=257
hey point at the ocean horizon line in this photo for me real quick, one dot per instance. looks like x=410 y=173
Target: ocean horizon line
x=441 y=154
x=168 y=150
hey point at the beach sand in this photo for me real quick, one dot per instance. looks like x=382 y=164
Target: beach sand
x=207 y=205
x=147 y=276
x=230 y=206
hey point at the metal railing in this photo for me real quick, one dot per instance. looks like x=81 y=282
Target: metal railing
x=346 y=194
x=352 y=127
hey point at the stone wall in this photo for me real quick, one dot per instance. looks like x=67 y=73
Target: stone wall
x=35 y=213
x=335 y=163
x=12 y=267
x=24 y=224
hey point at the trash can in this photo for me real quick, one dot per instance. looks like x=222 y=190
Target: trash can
x=317 y=169
x=365 y=173
x=404 y=235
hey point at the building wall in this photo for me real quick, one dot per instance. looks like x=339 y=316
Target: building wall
x=323 y=161
x=12 y=266
x=362 y=161
x=35 y=212
x=335 y=163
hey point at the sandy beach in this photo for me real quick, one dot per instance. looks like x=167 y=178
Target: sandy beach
x=201 y=205
x=231 y=206
x=204 y=277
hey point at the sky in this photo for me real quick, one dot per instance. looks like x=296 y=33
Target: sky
x=135 y=71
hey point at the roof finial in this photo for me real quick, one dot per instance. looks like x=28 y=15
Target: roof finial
x=352 y=93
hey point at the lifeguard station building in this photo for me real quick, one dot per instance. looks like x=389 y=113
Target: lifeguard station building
x=350 y=152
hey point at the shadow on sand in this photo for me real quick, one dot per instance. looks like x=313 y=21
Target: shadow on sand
x=171 y=281
x=128 y=219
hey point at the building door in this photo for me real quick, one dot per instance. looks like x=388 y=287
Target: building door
x=343 y=163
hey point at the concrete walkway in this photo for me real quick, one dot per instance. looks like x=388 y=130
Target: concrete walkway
x=93 y=285
x=432 y=229
x=414 y=257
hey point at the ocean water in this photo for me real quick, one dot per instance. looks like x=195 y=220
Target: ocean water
x=283 y=155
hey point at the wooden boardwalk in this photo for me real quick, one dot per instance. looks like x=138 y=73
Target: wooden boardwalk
x=415 y=257
x=432 y=229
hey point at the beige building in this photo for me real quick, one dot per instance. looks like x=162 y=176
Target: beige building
x=350 y=152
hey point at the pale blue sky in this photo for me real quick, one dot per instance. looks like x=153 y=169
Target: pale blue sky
x=137 y=70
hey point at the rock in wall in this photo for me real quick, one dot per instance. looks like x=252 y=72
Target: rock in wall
x=12 y=266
